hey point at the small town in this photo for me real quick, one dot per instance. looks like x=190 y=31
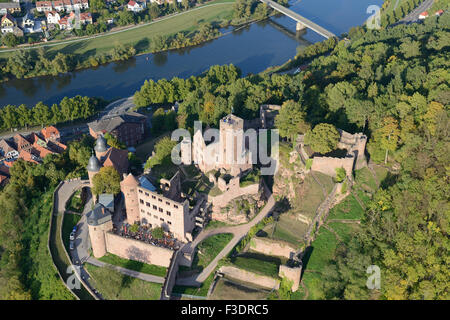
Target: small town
x=239 y=152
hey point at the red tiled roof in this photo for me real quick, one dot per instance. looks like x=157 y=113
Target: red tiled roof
x=3 y=178
x=132 y=3
x=49 y=132
x=118 y=159
x=27 y=156
x=425 y=13
x=41 y=151
x=43 y=3
x=4 y=170
x=21 y=142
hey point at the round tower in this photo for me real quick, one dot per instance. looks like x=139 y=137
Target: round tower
x=100 y=146
x=99 y=222
x=129 y=187
x=93 y=168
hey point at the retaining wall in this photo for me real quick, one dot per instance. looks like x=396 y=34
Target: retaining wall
x=272 y=248
x=250 y=277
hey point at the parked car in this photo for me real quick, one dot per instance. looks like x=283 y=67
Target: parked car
x=71 y=245
x=74 y=229
x=72 y=236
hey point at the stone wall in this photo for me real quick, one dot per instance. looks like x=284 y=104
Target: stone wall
x=223 y=199
x=137 y=250
x=292 y=274
x=328 y=165
x=272 y=248
x=250 y=277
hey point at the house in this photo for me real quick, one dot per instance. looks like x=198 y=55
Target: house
x=85 y=17
x=51 y=133
x=128 y=128
x=22 y=143
x=8 y=150
x=58 y=5
x=9 y=7
x=423 y=15
x=68 y=5
x=85 y=4
x=44 y=6
x=8 y=23
x=65 y=23
x=80 y=4
x=29 y=157
x=136 y=6
x=52 y=17
x=439 y=12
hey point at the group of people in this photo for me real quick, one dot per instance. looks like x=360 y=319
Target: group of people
x=144 y=233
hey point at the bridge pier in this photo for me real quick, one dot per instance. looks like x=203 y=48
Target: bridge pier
x=300 y=26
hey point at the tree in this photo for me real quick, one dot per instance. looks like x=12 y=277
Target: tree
x=107 y=180
x=113 y=141
x=163 y=150
x=388 y=135
x=323 y=138
x=291 y=120
x=10 y=40
x=158 y=233
x=42 y=114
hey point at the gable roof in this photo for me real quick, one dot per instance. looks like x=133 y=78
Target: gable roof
x=108 y=124
x=116 y=158
x=99 y=215
x=7 y=146
x=41 y=151
x=21 y=141
x=27 y=156
x=9 y=17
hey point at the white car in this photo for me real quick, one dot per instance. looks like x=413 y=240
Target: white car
x=71 y=245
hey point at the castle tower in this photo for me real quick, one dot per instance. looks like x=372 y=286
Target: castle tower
x=100 y=147
x=231 y=127
x=93 y=168
x=129 y=189
x=99 y=222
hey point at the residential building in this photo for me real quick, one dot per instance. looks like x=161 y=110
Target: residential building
x=58 y=5
x=8 y=150
x=22 y=144
x=44 y=6
x=68 y=5
x=51 y=133
x=423 y=15
x=128 y=128
x=9 y=7
x=136 y=6
x=53 y=17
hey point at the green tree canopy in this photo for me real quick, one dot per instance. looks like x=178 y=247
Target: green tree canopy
x=107 y=180
x=323 y=138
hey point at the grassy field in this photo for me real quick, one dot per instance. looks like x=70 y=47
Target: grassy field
x=194 y=291
x=226 y=290
x=209 y=248
x=116 y=286
x=321 y=250
x=140 y=36
x=287 y=228
x=348 y=209
x=258 y=263
x=134 y=265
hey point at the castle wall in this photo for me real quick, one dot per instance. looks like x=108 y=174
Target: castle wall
x=250 y=277
x=98 y=241
x=328 y=165
x=137 y=250
x=272 y=248
x=292 y=274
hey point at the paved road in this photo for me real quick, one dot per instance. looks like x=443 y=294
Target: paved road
x=238 y=231
x=413 y=16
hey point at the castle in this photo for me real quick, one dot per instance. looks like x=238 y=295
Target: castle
x=228 y=153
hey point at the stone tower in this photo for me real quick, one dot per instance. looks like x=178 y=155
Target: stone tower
x=231 y=127
x=100 y=147
x=99 y=222
x=129 y=189
x=93 y=168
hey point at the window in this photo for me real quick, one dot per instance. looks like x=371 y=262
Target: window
x=140 y=191
x=155 y=216
x=168 y=213
x=175 y=206
x=168 y=203
x=155 y=207
x=141 y=201
x=169 y=222
x=159 y=199
x=153 y=197
x=161 y=219
x=161 y=210
x=147 y=194
x=147 y=204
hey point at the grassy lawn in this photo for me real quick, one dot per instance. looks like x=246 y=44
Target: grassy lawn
x=214 y=224
x=348 y=209
x=215 y=191
x=116 y=286
x=209 y=248
x=365 y=179
x=313 y=281
x=194 y=291
x=344 y=230
x=310 y=197
x=226 y=290
x=75 y=202
x=140 y=37
x=321 y=250
x=134 y=265
x=70 y=220
x=325 y=180
x=258 y=263
x=289 y=229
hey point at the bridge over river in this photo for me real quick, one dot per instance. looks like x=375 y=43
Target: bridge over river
x=302 y=22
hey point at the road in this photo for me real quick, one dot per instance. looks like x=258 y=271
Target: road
x=413 y=16
x=238 y=231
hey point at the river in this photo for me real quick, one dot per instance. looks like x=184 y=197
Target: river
x=252 y=48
